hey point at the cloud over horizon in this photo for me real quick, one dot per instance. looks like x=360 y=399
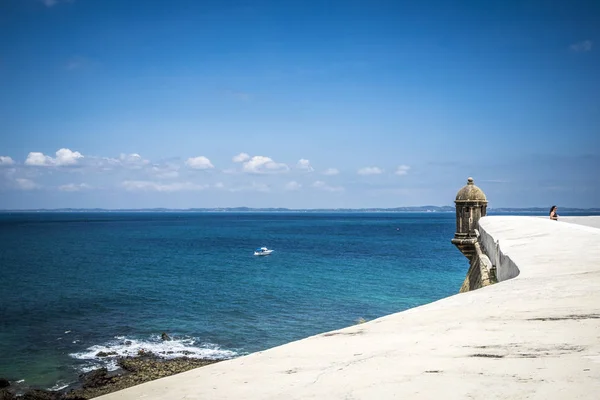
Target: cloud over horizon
x=304 y=164
x=199 y=162
x=64 y=157
x=253 y=176
x=241 y=158
x=6 y=161
x=149 y=186
x=263 y=165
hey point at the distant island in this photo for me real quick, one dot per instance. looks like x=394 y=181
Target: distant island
x=535 y=210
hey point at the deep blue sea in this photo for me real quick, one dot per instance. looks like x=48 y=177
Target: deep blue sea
x=74 y=284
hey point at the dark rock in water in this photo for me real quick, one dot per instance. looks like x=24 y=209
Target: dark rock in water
x=164 y=336
x=137 y=370
x=6 y=395
x=4 y=383
x=106 y=354
x=41 y=395
x=95 y=378
x=134 y=371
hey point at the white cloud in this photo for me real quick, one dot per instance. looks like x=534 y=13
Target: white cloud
x=257 y=165
x=64 y=157
x=262 y=165
x=219 y=185
x=67 y=157
x=104 y=163
x=133 y=160
x=582 y=47
x=38 y=159
x=324 y=186
x=304 y=164
x=292 y=186
x=74 y=187
x=199 y=162
x=241 y=158
x=370 y=171
x=331 y=171
x=6 y=161
x=129 y=161
x=26 y=184
x=149 y=186
x=402 y=170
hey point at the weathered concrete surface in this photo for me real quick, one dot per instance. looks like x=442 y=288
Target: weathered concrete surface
x=593 y=221
x=536 y=336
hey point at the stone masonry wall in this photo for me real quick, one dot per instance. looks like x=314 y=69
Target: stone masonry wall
x=480 y=272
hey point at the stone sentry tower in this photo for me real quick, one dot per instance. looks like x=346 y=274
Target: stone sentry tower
x=471 y=205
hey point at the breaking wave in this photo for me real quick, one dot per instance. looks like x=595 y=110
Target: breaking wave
x=105 y=355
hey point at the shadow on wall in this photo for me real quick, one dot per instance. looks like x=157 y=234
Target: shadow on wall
x=504 y=267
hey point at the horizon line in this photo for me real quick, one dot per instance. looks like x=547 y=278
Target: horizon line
x=245 y=208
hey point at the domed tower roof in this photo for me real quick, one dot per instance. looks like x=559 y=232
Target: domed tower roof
x=470 y=193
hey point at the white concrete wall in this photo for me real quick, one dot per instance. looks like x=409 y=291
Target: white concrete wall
x=593 y=221
x=505 y=267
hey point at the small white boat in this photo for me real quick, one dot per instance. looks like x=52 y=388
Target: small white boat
x=262 y=251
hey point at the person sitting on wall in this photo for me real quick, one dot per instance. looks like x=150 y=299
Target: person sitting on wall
x=553 y=214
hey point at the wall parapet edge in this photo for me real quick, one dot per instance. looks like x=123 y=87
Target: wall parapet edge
x=504 y=266
x=489 y=264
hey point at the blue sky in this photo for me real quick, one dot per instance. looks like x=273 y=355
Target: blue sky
x=298 y=104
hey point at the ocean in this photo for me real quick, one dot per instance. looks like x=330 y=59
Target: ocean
x=75 y=284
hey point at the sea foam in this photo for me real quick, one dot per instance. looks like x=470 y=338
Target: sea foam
x=60 y=385
x=122 y=346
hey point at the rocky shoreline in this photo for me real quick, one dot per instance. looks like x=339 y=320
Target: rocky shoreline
x=132 y=371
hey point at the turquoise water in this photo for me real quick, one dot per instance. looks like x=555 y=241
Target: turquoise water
x=74 y=284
